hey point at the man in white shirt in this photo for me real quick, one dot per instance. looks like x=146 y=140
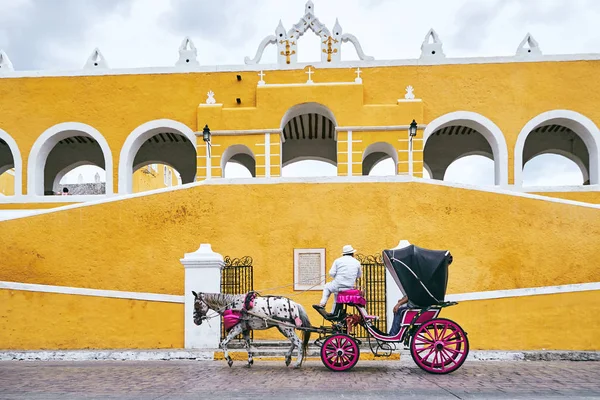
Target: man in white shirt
x=344 y=271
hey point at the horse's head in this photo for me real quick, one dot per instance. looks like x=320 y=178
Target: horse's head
x=200 y=308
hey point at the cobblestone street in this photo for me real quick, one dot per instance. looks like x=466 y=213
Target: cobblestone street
x=272 y=380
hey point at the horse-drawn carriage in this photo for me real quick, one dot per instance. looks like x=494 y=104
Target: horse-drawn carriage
x=437 y=345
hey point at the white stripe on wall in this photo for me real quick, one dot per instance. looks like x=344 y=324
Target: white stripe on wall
x=500 y=294
x=30 y=287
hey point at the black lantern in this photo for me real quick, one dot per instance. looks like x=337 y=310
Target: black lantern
x=412 y=131
x=206 y=134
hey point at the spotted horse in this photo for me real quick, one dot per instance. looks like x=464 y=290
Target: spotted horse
x=246 y=312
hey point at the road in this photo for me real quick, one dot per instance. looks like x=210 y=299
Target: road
x=272 y=380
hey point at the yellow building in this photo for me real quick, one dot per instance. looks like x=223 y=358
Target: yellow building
x=154 y=176
x=7 y=182
x=524 y=257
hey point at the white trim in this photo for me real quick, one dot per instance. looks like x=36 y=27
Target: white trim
x=136 y=139
x=377 y=128
x=578 y=123
x=349 y=142
x=95 y=200
x=485 y=127
x=116 y=294
x=535 y=291
x=302 y=66
x=267 y=155
x=17 y=161
x=234 y=132
x=46 y=142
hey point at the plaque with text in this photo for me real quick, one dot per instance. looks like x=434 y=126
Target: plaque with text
x=309 y=269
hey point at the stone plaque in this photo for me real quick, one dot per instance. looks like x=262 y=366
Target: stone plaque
x=309 y=269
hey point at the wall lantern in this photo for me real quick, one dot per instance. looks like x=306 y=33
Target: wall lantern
x=412 y=131
x=206 y=134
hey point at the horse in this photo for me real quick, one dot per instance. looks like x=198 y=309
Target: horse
x=266 y=312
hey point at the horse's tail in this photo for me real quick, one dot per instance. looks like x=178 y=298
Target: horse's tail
x=305 y=334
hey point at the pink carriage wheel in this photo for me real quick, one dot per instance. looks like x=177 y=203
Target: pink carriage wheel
x=439 y=346
x=340 y=352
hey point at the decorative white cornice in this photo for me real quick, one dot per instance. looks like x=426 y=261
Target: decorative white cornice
x=301 y=66
x=204 y=257
x=528 y=47
x=96 y=61
x=187 y=53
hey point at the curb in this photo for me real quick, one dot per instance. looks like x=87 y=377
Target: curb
x=216 y=354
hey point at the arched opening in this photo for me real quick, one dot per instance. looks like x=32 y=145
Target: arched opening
x=162 y=141
x=380 y=159
x=309 y=134
x=238 y=161
x=63 y=147
x=562 y=133
x=472 y=169
x=80 y=178
x=154 y=175
x=457 y=135
x=554 y=169
x=10 y=166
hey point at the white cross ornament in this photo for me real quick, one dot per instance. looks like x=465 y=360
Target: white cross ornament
x=261 y=82
x=310 y=72
x=358 y=78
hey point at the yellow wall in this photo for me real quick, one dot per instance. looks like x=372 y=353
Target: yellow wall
x=146 y=178
x=32 y=320
x=509 y=94
x=7 y=183
x=498 y=241
x=566 y=321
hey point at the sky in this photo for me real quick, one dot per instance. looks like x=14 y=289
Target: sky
x=61 y=34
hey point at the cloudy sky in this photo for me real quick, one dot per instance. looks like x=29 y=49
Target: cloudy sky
x=61 y=34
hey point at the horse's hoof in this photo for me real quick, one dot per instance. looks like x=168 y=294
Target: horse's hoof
x=297 y=366
x=230 y=362
x=287 y=362
x=248 y=365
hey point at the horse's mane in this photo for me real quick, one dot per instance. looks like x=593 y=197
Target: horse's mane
x=221 y=300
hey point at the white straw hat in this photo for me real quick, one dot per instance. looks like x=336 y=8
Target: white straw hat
x=347 y=249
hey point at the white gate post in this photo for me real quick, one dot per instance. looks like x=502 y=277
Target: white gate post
x=202 y=274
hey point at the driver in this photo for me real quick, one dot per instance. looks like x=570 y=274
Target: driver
x=344 y=271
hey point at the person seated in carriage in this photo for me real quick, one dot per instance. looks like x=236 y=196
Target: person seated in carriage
x=344 y=271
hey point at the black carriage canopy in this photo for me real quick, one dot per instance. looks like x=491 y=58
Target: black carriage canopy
x=421 y=274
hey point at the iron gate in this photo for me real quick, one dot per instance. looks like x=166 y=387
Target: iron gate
x=373 y=285
x=236 y=278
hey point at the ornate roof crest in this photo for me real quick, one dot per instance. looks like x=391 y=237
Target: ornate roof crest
x=287 y=41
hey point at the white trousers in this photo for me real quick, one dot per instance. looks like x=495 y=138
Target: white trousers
x=332 y=287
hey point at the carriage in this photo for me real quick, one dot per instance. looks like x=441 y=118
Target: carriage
x=437 y=345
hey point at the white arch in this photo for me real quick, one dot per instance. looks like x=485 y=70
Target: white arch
x=307 y=108
x=232 y=151
x=484 y=126
x=17 y=161
x=382 y=147
x=46 y=142
x=136 y=139
x=426 y=168
x=578 y=123
x=570 y=156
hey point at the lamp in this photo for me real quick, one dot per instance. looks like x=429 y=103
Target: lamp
x=239 y=77
x=206 y=134
x=412 y=130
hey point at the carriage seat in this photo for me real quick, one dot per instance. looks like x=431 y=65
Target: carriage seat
x=352 y=296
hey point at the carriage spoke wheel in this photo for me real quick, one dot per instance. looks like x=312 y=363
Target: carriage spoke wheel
x=340 y=352
x=439 y=346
